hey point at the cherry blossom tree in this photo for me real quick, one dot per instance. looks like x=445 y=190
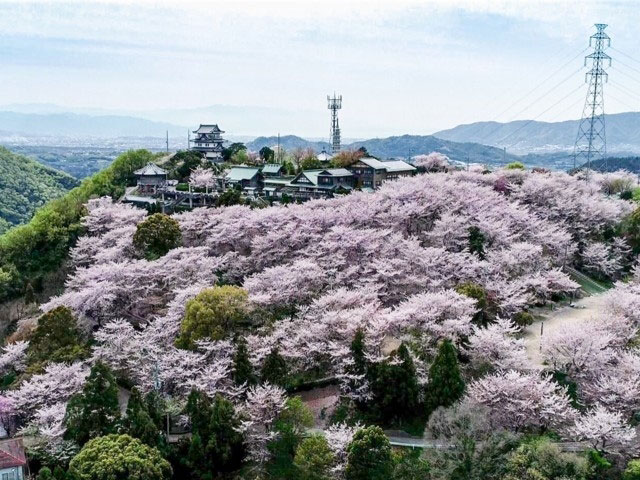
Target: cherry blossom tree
x=604 y=429
x=498 y=346
x=433 y=162
x=13 y=356
x=517 y=400
x=261 y=408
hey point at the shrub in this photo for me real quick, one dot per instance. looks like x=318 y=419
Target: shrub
x=119 y=457
x=56 y=338
x=214 y=313
x=156 y=235
x=523 y=319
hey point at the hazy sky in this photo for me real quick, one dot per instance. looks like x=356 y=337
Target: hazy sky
x=402 y=67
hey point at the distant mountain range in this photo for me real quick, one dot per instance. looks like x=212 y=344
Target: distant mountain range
x=402 y=146
x=524 y=136
x=83 y=125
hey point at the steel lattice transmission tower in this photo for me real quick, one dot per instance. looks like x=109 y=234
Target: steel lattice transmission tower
x=334 y=104
x=591 y=142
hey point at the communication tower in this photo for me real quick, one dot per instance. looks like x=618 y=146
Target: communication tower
x=334 y=104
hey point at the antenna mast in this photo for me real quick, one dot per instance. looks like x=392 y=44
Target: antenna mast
x=334 y=104
x=591 y=142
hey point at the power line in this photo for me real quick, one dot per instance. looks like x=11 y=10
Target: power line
x=625 y=54
x=555 y=72
x=541 y=114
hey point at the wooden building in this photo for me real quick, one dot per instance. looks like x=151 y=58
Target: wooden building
x=324 y=183
x=208 y=141
x=370 y=172
x=150 y=179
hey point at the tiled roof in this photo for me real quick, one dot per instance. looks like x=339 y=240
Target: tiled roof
x=398 y=166
x=239 y=173
x=271 y=168
x=373 y=163
x=150 y=169
x=208 y=129
x=12 y=453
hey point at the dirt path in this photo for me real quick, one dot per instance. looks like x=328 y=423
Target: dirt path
x=584 y=310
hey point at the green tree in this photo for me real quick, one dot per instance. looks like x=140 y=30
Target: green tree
x=314 y=458
x=242 y=367
x=216 y=444
x=119 y=457
x=93 y=412
x=59 y=473
x=233 y=150
x=186 y=160
x=310 y=163
x=523 y=319
x=138 y=423
x=411 y=466
x=156 y=235
x=225 y=444
x=479 y=294
x=291 y=426
x=214 y=313
x=395 y=385
x=229 y=197
x=267 y=154
x=540 y=459
x=274 y=369
x=369 y=455
x=476 y=242
x=632 y=472
x=56 y=338
x=45 y=474
x=446 y=385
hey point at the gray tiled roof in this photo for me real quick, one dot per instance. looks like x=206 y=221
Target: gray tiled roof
x=208 y=129
x=373 y=163
x=398 y=166
x=150 y=169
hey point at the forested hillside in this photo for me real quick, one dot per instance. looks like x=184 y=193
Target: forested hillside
x=26 y=185
x=30 y=251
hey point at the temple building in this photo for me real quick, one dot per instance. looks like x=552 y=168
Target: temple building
x=150 y=179
x=209 y=142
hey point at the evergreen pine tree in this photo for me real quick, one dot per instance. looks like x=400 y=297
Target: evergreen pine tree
x=95 y=411
x=138 y=423
x=224 y=447
x=369 y=455
x=242 y=367
x=274 y=369
x=196 y=459
x=446 y=385
x=395 y=385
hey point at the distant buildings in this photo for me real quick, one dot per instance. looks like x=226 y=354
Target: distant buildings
x=209 y=141
x=269 y=180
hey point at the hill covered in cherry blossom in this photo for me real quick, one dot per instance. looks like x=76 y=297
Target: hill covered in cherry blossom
x=397 y=265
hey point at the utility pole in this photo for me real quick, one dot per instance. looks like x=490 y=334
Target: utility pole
x=167 y=141
x=188 y=139
x=591 y=142
x=279 y=157
x=334 y=104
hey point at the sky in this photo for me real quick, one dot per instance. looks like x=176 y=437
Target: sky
x=402 y=67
